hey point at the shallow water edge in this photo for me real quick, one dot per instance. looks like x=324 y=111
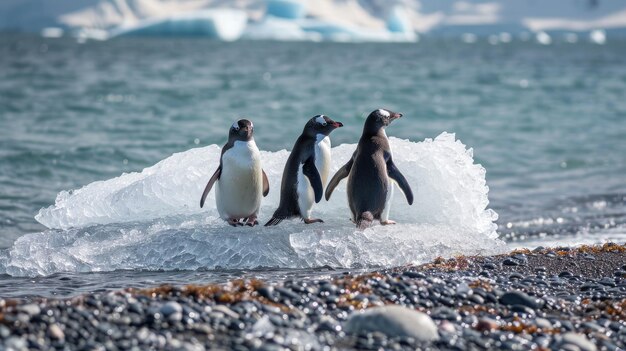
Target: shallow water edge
x=551 y=298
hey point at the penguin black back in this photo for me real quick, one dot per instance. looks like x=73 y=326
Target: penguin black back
x=369 y=171
x=302 y=155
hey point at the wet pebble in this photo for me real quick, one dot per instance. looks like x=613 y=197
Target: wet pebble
x=520 y=298
x=578 y=340
x=446 y=314
x=55 y=332
x=393 y=321
x=29 y=309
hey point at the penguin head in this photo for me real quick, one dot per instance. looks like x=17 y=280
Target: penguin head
x=241 y=130
x=321 y=124
x=379 y=119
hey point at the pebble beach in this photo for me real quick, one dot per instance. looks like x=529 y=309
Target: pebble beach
x=546 y=298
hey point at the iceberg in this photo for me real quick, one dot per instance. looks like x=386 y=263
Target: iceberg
x=152 y=219
x=285 y=21
x=221 y=24
x=291 y=9
x=478 y=17
x=399 y=25
x=309 y=29
x=274 y=28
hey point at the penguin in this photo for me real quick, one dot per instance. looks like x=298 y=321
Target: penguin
x=306 y=171
x=370 y=173
x=240 y=179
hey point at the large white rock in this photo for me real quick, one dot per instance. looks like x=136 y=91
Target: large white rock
x=393 y=321
x=578 y=340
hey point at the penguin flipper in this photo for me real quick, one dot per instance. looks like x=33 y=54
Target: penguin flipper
x=394 y=173
x=266 y=184
x=313 y=174
x=209 y=185
x=341 y=173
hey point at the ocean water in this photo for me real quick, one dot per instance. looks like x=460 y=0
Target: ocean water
x=539 y=138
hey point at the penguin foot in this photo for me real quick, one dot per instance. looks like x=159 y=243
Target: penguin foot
x=235 y=222
x=312 y=220
x=251 y=221
x=387 y=222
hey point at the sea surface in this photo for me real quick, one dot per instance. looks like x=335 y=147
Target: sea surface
x=547 y=123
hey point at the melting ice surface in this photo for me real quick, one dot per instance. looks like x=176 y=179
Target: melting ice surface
x=152 y=219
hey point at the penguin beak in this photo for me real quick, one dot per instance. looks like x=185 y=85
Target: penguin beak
x=395 y=116
x=337 y=124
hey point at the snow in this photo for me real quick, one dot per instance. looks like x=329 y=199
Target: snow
x=152 y=219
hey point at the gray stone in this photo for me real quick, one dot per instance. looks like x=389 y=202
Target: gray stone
x=445 y=313
x=226 y=311
x=172 y=311
x=393 y=321
x=519 y=298
x=30 y=309
x=578 y=340
x=16 y=343
x=4 y=332
x=543 y=323
x=55 y=332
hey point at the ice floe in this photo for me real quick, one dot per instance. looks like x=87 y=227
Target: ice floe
x=152 y=219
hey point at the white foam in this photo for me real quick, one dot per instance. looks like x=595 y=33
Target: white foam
x=598 y=36
x=152 y=219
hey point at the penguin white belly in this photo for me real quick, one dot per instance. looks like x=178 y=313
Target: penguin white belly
x=306 y=195
x=240 y=187
x=322 y=157
x=385 y=214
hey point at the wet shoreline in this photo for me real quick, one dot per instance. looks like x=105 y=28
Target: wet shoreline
x=572 y=298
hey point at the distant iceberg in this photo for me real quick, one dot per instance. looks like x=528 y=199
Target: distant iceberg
x=221 y=24
x=345 y=33
x=291 y=9
x=286 y=20
x=354 y=20
x=274 y=28
x=399 y=24
x=309 y=29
